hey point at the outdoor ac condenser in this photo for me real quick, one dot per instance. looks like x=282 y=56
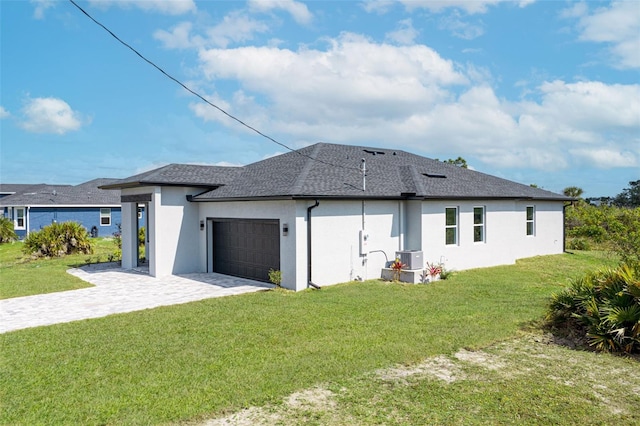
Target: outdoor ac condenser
x=412 y=258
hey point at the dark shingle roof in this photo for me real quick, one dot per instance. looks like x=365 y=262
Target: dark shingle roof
x=333 y=171
x=180 y=174
x=87 y=194
x=12 y=188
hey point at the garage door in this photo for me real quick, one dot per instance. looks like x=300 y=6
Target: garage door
x=246 y=248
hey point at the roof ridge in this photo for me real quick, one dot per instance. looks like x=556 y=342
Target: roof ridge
x=417 y=181
x=302 y=177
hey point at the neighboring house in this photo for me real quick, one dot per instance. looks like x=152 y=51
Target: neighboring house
x=314 y=215
x=7 y=189
x=35 y=206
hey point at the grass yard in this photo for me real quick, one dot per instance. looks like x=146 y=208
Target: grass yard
x=211 y=358
x=22 y=276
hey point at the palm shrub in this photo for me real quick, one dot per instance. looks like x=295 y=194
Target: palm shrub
x=7 y=234
x=603 y=307
x=58 y=239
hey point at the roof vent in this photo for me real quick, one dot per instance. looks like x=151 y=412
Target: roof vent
x=373 y=152
x=434 y=175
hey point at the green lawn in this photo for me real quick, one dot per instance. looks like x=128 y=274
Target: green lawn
x=214 y=357
x=22 y=276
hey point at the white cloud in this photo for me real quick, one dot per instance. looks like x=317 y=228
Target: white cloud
x=236 y=27
x=298 y=11
x=41 y=7
x=405 y=34
x=179 y=37
x=49 y=115
x=378 y=6
x=460 y=28
x=4 y=113
x=359 y=91
x=617 y=25
x=608 y=158
x=167 y=7
x=436 y=6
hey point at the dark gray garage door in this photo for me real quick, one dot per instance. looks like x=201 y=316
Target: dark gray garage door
x=246 y=248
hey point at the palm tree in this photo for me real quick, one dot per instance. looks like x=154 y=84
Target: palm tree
x=573 y=192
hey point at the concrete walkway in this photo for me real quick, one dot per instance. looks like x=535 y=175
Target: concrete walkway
x=117 y=291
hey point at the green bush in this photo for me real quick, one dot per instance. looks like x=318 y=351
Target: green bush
x=7 y=234
x=578 y=244
x=603 y=307
x=605 y=227
x=58 y=239
x=141 y=236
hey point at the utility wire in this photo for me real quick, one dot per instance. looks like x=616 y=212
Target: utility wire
x=193 y=92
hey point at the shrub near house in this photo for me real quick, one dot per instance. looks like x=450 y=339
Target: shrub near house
x=7 y=234
x=58 y=239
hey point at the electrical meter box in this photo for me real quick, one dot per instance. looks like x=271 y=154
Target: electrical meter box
x=364 y=242
x=414 y=259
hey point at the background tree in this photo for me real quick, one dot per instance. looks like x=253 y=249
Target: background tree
x=573 y=192
x=629 y=197
x=460 y=162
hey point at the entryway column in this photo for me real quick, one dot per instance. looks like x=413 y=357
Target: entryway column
x=129 y=233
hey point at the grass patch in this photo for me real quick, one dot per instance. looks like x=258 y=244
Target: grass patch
x=20 y=275
x=220 y=355
x=519 y=381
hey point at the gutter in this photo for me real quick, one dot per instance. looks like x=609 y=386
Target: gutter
x=309 y=282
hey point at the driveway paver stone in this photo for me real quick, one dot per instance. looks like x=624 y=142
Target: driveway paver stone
x=117 y=291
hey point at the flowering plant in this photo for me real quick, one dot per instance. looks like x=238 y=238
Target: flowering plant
x=433 y=269
x=397 y=267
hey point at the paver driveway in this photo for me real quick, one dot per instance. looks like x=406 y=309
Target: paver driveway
x=117 y=291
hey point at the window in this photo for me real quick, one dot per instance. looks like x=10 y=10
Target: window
x=531 y=220
x=105 y=217
x=451 y=225
x=478 y=224
x=19 y=218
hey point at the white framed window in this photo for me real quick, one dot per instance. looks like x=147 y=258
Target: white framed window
x=19 y=220
x=451 y=225
x=531 y=220
x=478 y=224
x=105 y=217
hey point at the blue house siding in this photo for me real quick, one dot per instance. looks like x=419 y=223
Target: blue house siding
x=39 y=217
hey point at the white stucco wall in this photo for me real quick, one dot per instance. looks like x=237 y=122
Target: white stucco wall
x=178 y=245
x=505 y=233
x=292 y=246
x=336 y=239
x=175 y=244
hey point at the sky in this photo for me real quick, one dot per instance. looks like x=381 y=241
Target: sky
x=538 y=92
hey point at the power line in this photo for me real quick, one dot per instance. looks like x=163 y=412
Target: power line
x=193 y=92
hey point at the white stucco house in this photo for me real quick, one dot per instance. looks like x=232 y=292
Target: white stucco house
x=316 y=216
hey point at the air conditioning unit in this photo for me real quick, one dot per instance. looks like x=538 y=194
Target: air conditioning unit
x=412 y=258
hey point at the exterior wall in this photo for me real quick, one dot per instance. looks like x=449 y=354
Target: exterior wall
x=173 y=244
x=336 y=249
x=177 y=244
x=39 y=217
x=293 y=255
x=505 y=233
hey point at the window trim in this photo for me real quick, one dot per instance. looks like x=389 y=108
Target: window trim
x=531 y=221
x=454 y=226
x=105 y=213
x=482 y=225
x=16 y=218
